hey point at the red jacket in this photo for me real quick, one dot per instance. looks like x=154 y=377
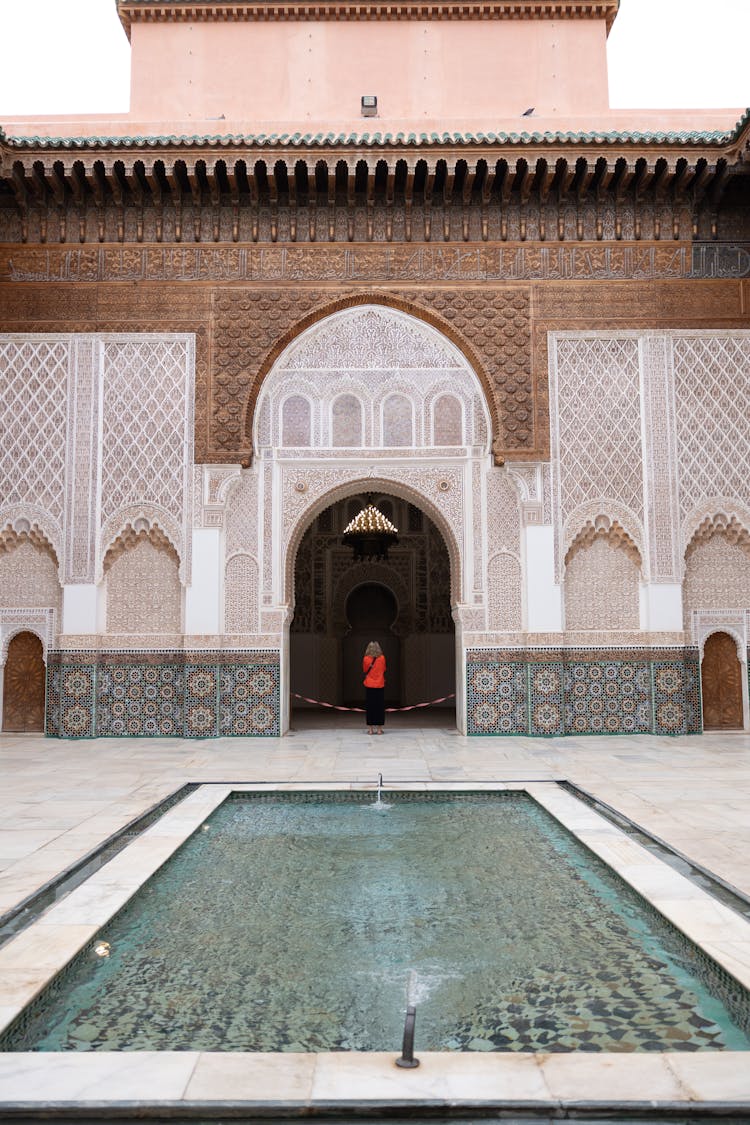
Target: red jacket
x=376 y=676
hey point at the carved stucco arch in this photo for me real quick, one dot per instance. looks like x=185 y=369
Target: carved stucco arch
x=419 y=312
x=354 y=487
x=380 y=575
x=24 y=519
x=603 y=509
x=712 y=518
x=148 y=517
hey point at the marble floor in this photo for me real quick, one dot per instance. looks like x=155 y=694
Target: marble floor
x=61 y=799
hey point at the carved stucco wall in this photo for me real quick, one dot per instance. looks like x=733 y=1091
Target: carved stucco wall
x=717 y=576
x=370 y=377
x=62 y=465
x=601 y=588
x=649 y=429
x=504 y=573
x=712 y=406
x=597 y=456
x=144 y=594
x=491 y=328
x=29 y=577
x=34 y=384
x=241 y=594
x=243 y=544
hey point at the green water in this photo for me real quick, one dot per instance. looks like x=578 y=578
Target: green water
x=295 y=926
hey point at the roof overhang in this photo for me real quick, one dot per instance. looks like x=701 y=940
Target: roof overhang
x=192 y=11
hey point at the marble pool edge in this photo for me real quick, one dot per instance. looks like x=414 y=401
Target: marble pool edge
x=298 y=1082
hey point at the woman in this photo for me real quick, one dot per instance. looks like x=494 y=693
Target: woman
x=373 y=666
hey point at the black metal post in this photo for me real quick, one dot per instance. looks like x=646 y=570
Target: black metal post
x=407 y=1050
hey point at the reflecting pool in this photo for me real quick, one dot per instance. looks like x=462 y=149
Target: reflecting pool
x=296 y=924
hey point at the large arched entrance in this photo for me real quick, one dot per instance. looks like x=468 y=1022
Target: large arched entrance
x=403 y=602
x=24 y=685
x=369 y=400
x=721 y=683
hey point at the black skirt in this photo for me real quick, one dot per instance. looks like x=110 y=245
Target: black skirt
x=374 y=706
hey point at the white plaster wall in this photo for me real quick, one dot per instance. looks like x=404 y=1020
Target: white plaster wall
x=203 y=595
x=542 y=594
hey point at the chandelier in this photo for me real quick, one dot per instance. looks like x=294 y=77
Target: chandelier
x=370 y=534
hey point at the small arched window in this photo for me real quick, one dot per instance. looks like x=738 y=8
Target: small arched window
x=448 y=421
x=296 y=422
x=346 y=422
x=398 y=421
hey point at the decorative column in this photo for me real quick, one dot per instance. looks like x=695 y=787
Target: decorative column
x=661 y=595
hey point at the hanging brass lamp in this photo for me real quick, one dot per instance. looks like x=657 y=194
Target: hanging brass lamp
x=370 y=534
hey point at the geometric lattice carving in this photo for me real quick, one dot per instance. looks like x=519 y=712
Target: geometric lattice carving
x=147 y=429
x=241 y=595
x=143 y=590
x=611 y=531
x=712 y=402
x=602 y=585
x=596 y=426
x=34 y=409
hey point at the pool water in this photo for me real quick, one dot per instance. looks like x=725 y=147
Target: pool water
x=298 y=925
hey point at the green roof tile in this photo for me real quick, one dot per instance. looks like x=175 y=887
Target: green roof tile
x=375 y=140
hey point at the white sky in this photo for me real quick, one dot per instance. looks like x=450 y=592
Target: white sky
x=669 y=54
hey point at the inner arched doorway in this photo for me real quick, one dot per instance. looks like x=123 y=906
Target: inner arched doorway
x=24 y=685
x=404 y=602
x=721 y=683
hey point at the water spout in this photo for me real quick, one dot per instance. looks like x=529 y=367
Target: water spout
x=380 y=804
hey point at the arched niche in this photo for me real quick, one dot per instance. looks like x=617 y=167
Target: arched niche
x=373 y=376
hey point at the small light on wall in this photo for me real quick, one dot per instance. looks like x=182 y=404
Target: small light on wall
x=369 y=105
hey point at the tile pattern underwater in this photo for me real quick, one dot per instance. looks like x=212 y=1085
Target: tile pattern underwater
x=299 y=923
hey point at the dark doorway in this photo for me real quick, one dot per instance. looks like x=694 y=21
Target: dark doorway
x=721 y=683
x=371 y=610
x=403 y=602
x=23 y=685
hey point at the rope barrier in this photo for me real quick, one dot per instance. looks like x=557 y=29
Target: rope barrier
x=361 y=710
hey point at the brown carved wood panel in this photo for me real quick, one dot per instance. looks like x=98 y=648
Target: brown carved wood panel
x=23 y=689
x=721 y=681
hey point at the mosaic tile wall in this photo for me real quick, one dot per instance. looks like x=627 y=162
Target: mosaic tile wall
x=583 y=691
x=162 y=694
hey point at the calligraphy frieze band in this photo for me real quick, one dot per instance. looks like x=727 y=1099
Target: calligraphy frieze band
x=506 y=262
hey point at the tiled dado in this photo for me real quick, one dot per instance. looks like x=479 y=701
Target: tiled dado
x=583 y=691
x=162 y=694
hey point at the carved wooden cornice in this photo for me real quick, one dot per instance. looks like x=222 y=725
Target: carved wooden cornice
x=551 y=180
x=192 y=11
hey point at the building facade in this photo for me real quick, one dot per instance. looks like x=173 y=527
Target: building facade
x=517 y=320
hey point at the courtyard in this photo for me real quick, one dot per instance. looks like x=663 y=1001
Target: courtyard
x=64 y=798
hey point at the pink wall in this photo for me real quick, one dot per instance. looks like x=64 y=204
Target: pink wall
x=423 y=73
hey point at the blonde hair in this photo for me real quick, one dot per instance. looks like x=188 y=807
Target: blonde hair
x=373 y=649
